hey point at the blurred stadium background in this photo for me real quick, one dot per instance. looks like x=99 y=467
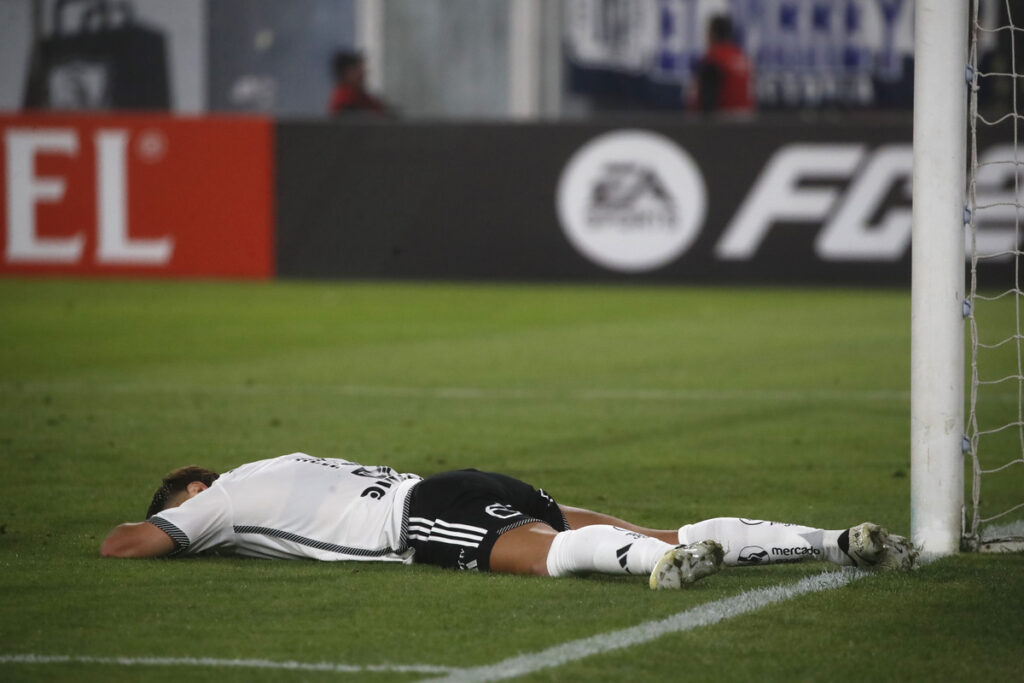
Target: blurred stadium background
x=546 y=256
x=497 y=60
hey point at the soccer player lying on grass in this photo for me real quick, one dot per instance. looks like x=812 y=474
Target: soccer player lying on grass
x=299 y=506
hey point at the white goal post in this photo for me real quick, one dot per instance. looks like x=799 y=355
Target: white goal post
x=937 y=276
x=968 y=180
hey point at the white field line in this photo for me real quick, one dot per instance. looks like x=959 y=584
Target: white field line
x=703 y=615
x=463 y=393
x=225 y=663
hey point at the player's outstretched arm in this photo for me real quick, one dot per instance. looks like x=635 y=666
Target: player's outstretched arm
x=136 y=540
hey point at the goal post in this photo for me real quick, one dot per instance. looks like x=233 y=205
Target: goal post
x=937 y=276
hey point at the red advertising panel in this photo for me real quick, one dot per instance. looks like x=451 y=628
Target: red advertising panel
x=136 y=195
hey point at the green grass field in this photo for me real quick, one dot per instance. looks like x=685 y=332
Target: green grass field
x=659 y=405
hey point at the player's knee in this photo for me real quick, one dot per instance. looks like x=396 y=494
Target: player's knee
x=523 y=550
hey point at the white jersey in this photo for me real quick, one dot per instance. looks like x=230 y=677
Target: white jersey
x=298 y=506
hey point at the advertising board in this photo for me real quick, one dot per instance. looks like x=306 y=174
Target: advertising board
x=136 y=195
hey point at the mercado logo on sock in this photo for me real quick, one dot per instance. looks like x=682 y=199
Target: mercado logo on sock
x=631 y=201
x=753 y=554
x=136 y=195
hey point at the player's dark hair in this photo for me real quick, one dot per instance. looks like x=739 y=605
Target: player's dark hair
x=176 y=482
x=721 y=28
x=344 y=60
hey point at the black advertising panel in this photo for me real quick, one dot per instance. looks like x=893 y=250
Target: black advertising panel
x=780 y=203
x=108 y=60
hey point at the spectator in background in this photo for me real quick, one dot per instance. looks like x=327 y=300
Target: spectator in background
x=724 y=74
x=349 y=95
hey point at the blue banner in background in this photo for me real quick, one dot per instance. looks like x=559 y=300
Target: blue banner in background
x=806 y=53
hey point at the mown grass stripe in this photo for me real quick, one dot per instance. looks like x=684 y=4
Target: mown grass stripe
x=224 y=663
x=471 y=393
x=704 y=615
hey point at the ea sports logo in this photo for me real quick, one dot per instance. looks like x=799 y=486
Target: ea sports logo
x=631 y=201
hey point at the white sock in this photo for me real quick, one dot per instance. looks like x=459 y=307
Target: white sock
x=605 y=549
x=751 y=541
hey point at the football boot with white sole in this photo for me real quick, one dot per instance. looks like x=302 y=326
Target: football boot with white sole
x=685 y=564
x=872 y=547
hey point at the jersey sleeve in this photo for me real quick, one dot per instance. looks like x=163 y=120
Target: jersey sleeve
x=200 y=523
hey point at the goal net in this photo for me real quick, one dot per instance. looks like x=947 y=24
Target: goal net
x=994 y=443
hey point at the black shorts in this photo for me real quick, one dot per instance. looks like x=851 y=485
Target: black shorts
x=456 y=517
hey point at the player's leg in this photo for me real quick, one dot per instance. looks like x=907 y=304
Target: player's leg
x=492 y=522
x=591 y=542
x=523 y=550
x=745 y=542
x=754 y=542
x=538 y=549
x=557 y=547
x=580 y=517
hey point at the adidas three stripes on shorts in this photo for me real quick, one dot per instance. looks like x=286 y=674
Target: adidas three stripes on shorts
x=456 y=517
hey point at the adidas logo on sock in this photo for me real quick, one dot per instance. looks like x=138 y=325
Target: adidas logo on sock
x=621 y=553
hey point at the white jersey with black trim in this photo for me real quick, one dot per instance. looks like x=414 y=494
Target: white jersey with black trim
x=298 y=506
